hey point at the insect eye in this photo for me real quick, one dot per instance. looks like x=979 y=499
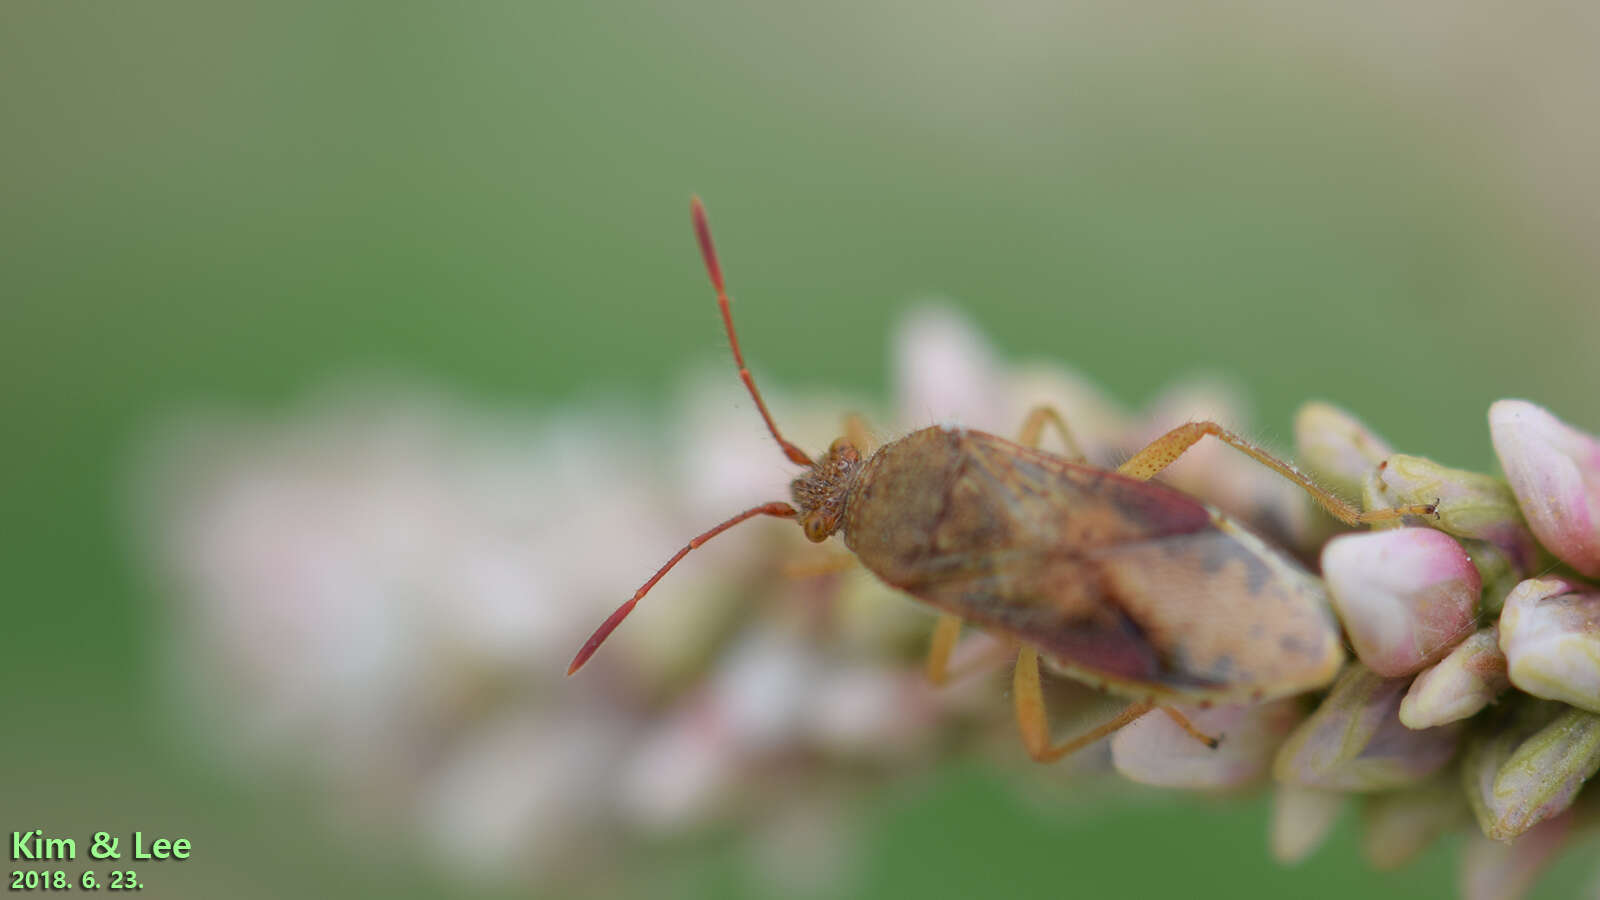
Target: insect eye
x=817 y=528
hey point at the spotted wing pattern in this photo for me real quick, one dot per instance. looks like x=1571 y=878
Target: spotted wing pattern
x=1129 y=583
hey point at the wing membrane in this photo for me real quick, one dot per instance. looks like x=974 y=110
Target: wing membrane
x=1130 y=582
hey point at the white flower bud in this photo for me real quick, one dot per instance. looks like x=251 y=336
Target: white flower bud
x=1550 y=634
x=1470 y=504
x=1336 y=447
x=1460 y=685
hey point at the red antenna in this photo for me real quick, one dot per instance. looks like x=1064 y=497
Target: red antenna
x=702 y=230
x=780 y=510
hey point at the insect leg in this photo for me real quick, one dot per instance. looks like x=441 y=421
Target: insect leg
x=1033 y=429
x=1165 y=450
x=857 y=433
x=1033 y=720
x=977 y=654
x=1188 y=726
x=943 y=641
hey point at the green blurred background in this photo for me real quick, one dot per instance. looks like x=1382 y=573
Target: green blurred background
x=229 y=205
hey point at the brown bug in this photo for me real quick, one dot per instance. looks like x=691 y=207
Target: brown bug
x=1118 y=581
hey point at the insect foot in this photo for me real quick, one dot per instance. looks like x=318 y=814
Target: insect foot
x=1156 y=750
x=1465 y=504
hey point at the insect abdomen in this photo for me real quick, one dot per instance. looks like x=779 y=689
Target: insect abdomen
x=1129 y=582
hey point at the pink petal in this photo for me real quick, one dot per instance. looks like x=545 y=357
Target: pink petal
x=1554 y=469
x=1406 y=595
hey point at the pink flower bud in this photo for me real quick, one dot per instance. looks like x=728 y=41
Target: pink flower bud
x=1155 y=750
x=1405 y=595
x=1355 y=742
x=1460 y=685
x=1554 y=470
x=1550 y=634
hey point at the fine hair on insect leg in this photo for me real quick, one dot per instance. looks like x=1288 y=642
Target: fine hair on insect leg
x=1165 y=450
x=1131 y=586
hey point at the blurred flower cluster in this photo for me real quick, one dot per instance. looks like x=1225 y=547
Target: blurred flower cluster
x=1476 y=690
x=378 y=596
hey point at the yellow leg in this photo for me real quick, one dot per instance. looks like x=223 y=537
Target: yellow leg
x=942 y=645
x=857 y=433
x=1188 y=726
x=1033 y=429
x=1165 y=450
x=1033 y=720
x=944 y=640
